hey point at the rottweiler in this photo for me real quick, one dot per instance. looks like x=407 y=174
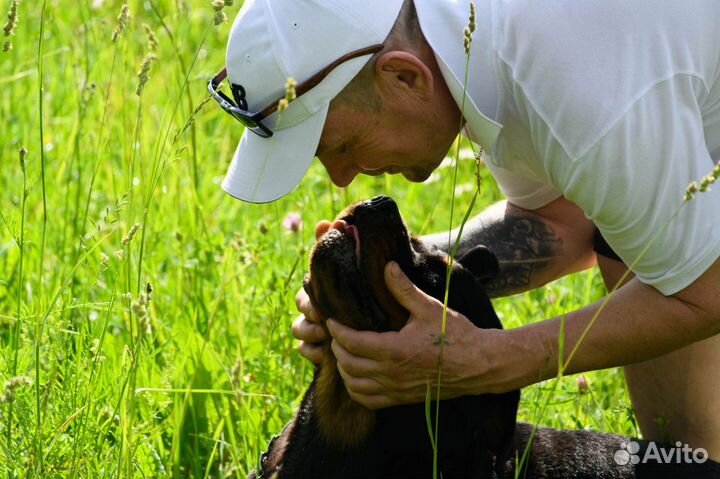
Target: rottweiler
x=333 y=436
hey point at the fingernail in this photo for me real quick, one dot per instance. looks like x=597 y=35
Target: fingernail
x=394 y=270
x=330 y=324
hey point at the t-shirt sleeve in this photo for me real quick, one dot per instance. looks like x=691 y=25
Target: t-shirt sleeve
x=521 y=190
x=632 y=181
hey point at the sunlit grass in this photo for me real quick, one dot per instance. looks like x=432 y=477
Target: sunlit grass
x=198 y=386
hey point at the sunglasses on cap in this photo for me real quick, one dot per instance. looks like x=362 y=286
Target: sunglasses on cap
x=237 y=106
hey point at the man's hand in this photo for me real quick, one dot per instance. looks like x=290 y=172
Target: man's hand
x=307 y=327
x=386 y=369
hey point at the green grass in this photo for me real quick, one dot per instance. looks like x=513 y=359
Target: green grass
x=219 y=374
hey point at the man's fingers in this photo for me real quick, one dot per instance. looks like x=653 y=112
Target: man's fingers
x=368 y=344
x=351 y=364
x=308 y=331
x=407 y=294
x=312 y=352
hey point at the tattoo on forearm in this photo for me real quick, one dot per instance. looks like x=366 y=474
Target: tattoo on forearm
x=524 y=246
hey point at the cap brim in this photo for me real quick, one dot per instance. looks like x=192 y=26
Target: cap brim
x=265 y=169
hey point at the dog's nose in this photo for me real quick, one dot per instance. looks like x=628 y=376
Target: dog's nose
x=380 y=201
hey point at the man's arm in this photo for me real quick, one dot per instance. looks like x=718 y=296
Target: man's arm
x=532 y=247
x=638 y=323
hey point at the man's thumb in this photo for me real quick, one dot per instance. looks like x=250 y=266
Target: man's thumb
x=404 y=291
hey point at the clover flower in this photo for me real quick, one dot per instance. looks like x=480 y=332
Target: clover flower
x=292 y=222
x=583 y=384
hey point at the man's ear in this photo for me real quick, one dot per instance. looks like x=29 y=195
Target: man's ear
x=481 y=262
x=398 y=72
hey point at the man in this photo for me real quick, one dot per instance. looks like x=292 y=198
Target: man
x=596 y=115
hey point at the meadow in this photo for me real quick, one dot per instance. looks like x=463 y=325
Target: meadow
x=145 y=314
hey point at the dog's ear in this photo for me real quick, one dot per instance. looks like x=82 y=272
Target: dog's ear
x=481 y=262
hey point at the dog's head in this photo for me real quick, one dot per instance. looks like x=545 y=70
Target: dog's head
x=346 y=280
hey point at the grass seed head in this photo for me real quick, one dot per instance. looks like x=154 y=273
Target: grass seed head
x=13 y=17
x=469 y=30
x=143 y=73
x=12 y=385
x=123 y=22
x=220 y=18
x=131 y=234
x=151 y=38
x=290 y=94
x=23 y=154
x=11 y=24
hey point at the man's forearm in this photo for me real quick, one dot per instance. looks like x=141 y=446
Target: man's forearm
x=638 y=323
x=531 y=249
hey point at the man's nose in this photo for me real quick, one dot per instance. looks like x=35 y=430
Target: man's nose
x=340 y=174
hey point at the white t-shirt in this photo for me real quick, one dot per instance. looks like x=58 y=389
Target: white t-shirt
x=614 y=104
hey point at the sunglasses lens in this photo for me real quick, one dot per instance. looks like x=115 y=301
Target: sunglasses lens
x=248 y=122
x=244 y=118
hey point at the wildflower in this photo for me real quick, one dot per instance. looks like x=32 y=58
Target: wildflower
x=229 y=3
x=23 y=153
x=13 y=384
x=143 y=76
x=131 y=234
x=583 y=384
x=119 y=255
x=218 y=5
x=151 y=38
x=691 y=190
x=123 y=22
x=292 y=222
x=282 y=105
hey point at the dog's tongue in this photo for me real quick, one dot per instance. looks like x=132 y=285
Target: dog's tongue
x=352 y=230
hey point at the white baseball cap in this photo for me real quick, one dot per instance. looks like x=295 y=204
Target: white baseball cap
x=273 y=40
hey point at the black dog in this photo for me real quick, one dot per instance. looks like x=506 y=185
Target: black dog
x=332 y=436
